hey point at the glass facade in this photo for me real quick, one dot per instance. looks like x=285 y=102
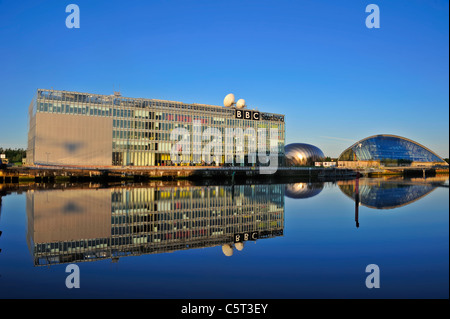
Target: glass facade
x=389 y=149
x=298 y=154
x=141 y=128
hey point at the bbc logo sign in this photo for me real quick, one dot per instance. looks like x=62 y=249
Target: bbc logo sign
x=238 y=238
x=247 y=115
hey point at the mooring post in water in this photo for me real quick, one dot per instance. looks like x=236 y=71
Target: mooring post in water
x=357 y=200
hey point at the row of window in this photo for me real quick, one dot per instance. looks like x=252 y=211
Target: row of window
x=122 y=101
x=194 y=211
x=160 y=136
x=71 y=109
x=131 y=196
x=168 y=127
x=65 y=246
x=94 y=110
x=209 y=226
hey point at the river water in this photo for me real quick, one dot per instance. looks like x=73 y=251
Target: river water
x=181 y=240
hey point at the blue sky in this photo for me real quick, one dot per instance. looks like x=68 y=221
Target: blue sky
x=314 y=61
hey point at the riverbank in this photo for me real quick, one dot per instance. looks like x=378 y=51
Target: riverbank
x=54 y=174
x=85 y=174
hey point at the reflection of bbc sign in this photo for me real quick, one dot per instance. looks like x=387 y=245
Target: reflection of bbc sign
x=247 y=115
x=246 y=236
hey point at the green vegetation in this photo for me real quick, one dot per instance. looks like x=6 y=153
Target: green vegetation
x=14 y=155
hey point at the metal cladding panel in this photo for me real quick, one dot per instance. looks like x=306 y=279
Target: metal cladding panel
x=302 y=154
x=62 y=139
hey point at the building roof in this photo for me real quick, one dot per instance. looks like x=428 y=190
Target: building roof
x=129 y=101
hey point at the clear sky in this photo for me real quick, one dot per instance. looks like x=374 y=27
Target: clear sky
x=313 y=60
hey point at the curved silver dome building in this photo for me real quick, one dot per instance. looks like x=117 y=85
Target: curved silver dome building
x=298 y=154
x=388 y=150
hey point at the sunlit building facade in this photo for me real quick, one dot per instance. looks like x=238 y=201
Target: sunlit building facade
x=388 y=150
x=71 y=128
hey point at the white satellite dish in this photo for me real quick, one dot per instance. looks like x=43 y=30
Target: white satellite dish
x=228 y=100
x=240 y=104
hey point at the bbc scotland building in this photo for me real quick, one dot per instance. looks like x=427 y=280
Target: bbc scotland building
x=84 y=129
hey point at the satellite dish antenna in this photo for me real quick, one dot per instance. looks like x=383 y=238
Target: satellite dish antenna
x=228 y=100
x=240 y=104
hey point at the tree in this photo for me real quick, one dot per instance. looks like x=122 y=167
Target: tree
x=14 y=155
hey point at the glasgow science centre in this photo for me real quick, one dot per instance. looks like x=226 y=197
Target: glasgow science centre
x=71 y=129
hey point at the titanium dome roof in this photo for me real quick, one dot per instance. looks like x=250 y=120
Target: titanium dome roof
x=391 y=147
x=302 y=154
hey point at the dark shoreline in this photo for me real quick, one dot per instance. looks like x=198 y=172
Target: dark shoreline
x=198 y=175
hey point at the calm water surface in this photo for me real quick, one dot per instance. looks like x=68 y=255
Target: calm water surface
x=169 y=240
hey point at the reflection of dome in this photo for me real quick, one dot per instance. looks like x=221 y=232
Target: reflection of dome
x=386 y=195
x=303 y=190
x=239 y=246
x=227 y=250
x=302 y=154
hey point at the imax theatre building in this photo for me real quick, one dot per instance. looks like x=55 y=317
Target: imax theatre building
x=83 y=129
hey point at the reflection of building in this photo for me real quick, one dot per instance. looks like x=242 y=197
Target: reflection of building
x=385 y=195
x=388 y=150
x=298 y=154
x=71 y=128
x=90 y=224
x=303 y=190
